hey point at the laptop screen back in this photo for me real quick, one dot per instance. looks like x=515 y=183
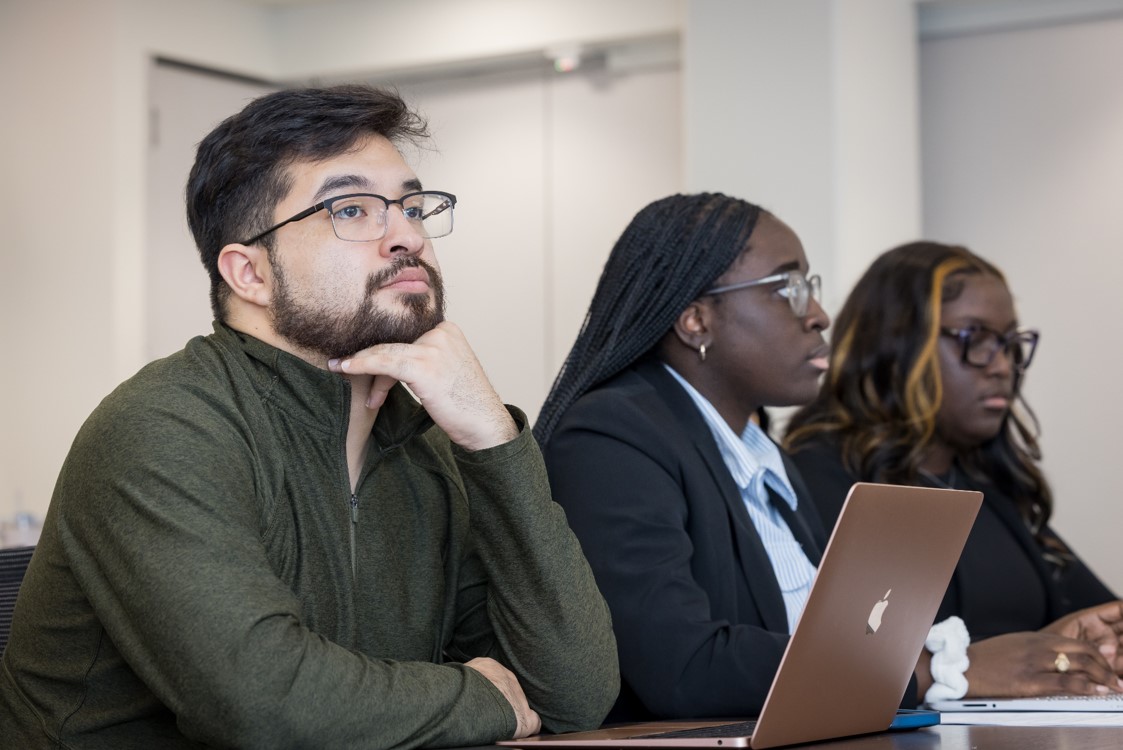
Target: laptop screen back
x=855 y=647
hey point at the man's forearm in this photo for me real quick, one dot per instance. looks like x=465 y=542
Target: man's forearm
x=550 y=620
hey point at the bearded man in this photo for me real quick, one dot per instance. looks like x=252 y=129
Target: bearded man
x=265 y=540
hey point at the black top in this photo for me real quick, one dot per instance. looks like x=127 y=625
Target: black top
x=699 y=617
x=1002 y=583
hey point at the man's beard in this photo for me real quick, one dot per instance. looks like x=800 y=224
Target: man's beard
x=322 y=329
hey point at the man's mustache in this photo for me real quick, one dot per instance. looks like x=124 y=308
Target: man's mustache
x=380 y=278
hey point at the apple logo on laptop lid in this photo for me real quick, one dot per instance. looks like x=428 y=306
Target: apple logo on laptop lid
x=874 y=621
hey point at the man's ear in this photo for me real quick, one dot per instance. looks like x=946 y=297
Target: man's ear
x=692 y=326
x=248 y=273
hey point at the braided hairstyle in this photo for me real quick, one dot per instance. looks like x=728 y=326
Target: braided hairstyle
x=671 y=252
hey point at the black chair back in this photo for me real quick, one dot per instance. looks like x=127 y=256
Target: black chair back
x=13 y=564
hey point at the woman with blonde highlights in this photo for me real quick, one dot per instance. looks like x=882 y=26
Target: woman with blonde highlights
x=924 y=388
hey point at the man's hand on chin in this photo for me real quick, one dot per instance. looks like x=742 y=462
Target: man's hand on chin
x=443 y=372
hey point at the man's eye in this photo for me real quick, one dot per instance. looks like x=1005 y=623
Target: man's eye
x=352 y=211
x=414 y=213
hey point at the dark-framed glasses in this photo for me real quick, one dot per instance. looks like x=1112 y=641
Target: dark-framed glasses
x=363 y=217
x=798 y=288
x=980 y=345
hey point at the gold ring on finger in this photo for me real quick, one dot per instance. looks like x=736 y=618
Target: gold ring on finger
x=1061 y=663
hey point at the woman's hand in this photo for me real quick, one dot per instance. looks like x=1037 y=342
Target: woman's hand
x=1102 y=626
x=1026 y=664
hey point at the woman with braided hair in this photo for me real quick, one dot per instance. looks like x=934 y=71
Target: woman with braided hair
x=702 y=536
x=924 y=389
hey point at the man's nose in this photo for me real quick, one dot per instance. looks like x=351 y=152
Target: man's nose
x=402 y=235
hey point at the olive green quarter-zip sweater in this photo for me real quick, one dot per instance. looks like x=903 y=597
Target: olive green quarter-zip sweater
x=207 y=578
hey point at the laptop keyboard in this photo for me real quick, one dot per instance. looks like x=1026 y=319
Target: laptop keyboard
x=1092 y=699
x=740 y=729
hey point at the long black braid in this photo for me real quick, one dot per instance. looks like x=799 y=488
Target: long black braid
x=671 y=252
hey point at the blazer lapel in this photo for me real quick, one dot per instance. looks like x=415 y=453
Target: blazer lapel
x=756 y=566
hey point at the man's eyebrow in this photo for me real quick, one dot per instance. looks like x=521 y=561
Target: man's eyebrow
x=356 y=181
x=338 y=182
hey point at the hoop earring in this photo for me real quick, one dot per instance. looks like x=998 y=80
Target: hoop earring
x=702 y=352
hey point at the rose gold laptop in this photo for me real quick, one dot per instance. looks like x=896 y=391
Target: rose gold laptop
x=854 y=649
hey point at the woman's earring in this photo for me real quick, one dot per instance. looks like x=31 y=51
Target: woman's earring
x=702 y=352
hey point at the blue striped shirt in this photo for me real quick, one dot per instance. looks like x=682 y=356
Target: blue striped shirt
x=754 y=462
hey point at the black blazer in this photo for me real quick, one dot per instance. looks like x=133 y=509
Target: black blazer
x=699 y=618
x=1002 y=583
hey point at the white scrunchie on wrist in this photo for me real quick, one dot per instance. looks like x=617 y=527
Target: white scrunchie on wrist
x=948 y=641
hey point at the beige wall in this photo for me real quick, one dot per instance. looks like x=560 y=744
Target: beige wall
x=73 y=76
x=1023 y=163
x=73 y=82
x=56 y=283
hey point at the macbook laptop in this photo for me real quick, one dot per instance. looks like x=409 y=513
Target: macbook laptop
x=1094 y=703
x=854 y=649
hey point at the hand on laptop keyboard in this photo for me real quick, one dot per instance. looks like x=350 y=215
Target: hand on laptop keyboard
x=1025 y=665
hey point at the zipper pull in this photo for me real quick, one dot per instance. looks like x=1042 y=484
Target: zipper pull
x=354 y=509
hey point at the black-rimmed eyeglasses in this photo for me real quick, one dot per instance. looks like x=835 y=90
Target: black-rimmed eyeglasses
x=362 y=217
x=798 y=288
x=980 y=345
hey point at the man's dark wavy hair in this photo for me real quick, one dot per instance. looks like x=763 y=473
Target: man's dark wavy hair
x=240 y=171
x=670 y=253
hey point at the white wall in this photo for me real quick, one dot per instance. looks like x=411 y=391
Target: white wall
x=355 y=36
x=1023 y=163
x=809 y=110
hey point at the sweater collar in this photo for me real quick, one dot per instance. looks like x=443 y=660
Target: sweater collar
x=318 y=397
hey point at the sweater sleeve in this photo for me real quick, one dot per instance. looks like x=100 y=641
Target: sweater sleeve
x=528 y=598
x=160 y=525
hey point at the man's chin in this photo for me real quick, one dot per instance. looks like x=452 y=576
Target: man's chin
x=393 y=330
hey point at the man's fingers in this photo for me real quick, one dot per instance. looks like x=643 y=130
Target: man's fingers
x=394 y=360
x=443 y=372
x=533 y=724
x=379 y=387
x=527 y=721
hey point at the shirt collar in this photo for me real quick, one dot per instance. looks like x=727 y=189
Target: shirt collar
x=752 y=458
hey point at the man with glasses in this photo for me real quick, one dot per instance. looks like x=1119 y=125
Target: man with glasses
x=265 y=540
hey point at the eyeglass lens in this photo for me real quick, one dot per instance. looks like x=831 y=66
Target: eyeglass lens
x=801 y=290
x=981 y=346
x=362 y=218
